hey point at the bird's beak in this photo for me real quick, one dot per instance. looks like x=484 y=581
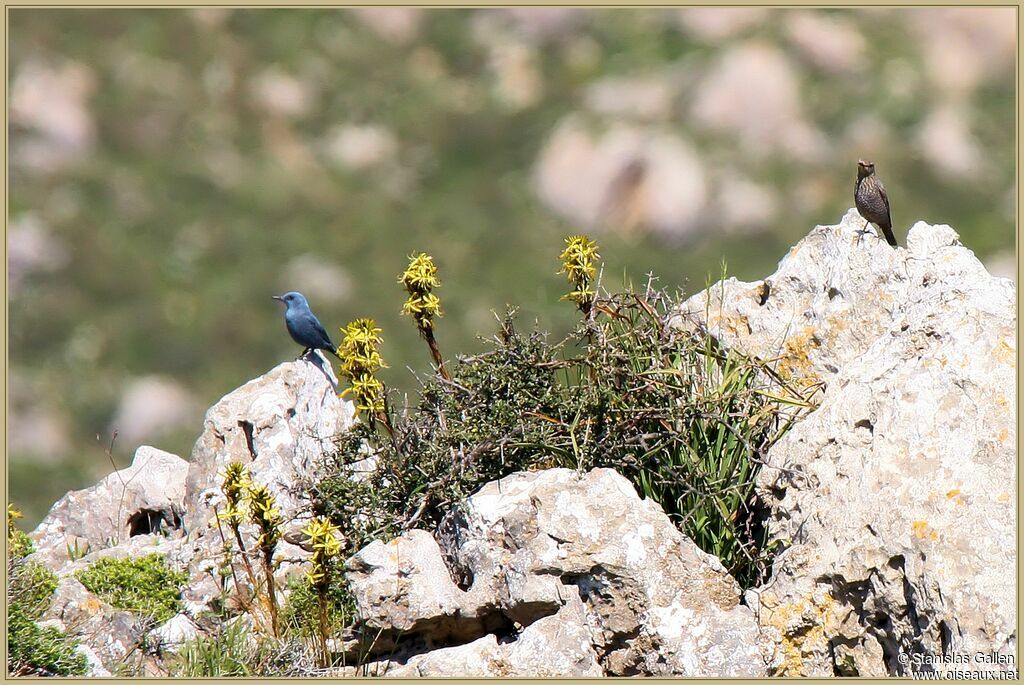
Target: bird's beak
x=277 y=297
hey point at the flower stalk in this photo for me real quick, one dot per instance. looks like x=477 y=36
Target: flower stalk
x=236 y=481
x=264 y=513
x=420 y=279
x=326 y=545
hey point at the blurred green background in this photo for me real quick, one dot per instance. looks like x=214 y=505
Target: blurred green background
x=170 y=170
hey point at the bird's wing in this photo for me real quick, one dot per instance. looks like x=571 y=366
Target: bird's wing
x=318 y=327
x=890 y=237
x=885 y=199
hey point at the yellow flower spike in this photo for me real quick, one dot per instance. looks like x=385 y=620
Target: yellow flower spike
x=363 y=331
x=231 y=514
x=578 y=264
x=423 y=308
x=235 y=482
x=12 y=515
x=311 y=528
x=419 y=279
x=421 y=274
x=236 y=478
x=265 y=515
x=325 y=545
x=579 y=256
x=359 y=361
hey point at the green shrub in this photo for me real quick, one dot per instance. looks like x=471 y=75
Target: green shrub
x=687 y=423
x=32 y=650
x=235 y=650
x=32 y=586
x=145 y=585
x=20 y=544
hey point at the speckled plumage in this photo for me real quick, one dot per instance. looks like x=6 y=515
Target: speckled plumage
x=872 y=202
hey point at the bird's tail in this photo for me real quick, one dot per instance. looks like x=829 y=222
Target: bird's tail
x=890 y=237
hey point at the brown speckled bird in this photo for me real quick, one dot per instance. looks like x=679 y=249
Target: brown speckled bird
x=872 y=202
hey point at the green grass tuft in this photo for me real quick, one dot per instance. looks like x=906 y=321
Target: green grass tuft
x=300 y=613
x=33 y=585
x=226 y=653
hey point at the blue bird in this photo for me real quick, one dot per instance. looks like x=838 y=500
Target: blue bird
x=303 y=325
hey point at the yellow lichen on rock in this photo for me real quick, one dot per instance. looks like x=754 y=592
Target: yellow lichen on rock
x=804 y=627
x=1005 y=353
x=957 y=496
x=795 y=360
x=922 y=531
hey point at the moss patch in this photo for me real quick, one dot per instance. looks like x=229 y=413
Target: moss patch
x=145 y=585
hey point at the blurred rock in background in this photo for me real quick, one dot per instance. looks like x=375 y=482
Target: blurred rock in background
x=151 y=407
x=171 y=169
x=49 y=114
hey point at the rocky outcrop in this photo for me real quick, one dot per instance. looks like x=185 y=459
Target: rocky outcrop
x=896 y=499
x=109 y=634
x=551 y=647
x=577 y=556
x=892 y=505
x=147 y=497
x=278 y=426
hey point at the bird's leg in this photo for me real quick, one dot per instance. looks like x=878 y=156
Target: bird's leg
x=861 y=232
x=304 y=353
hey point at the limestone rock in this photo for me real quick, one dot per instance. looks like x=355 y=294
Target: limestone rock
x=477 y=659
x=630 y=177
x=893 y=503
x=94 y=667
x=559 y=553
x=655 y=603
x=405 y=586
x=109 y=633
x=173 y=634
x=147 y=497
x=751 y=92
x=277 y=425
x=554 y=646
x=151 y=407
x=52 y=102
x=716 y=24
x=895 y=499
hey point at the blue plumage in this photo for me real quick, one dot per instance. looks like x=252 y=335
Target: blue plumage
x=303 y=325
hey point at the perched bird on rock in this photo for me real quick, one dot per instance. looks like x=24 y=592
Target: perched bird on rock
x=872 y=202
x=303 y=325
